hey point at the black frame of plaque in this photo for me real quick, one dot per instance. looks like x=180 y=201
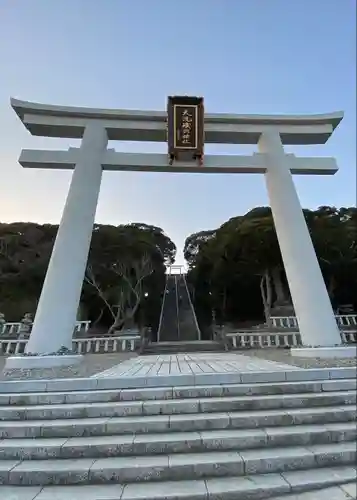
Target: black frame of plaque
x=183 y=111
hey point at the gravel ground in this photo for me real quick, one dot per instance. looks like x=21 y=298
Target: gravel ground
x=91 y=364
x=284 y=356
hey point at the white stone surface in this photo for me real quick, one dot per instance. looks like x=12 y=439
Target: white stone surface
x=170 y=490
x=320 y=478
x=46 y=472
x=316 y=318
x=158 y=162
x=171 y=365
x=82 y=492
x=255 y=486
x=325 y=352
x=16 y=493
x=41 y=362
x=334 y=493
x=350 y=489
x=57 y=308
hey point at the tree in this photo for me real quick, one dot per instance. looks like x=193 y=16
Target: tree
x=25 y=250
x=128 y=291
x=249 y=244
x=120 y=263
x=194 y=243
x=162 y=242
x=243 y=255
x=334 y=236
x=235 y=270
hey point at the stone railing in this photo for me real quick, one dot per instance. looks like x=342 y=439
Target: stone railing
x=93 y=345
x=235 y=340
x=347 y=320
x=343 y=321
x=10 y=329
x=241 y=340
x=349 y=337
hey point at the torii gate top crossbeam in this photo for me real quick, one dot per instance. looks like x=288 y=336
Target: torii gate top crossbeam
x=132 y=125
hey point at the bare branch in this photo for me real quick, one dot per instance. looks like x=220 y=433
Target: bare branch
x=131 y=274
x=89 y=277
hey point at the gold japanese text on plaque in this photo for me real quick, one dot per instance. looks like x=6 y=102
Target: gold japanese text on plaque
x=185 y=122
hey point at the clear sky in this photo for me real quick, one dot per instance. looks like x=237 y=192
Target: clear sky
x=243 y=56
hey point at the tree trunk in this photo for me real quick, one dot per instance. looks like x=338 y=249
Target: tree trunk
x=129 y=323
x=278 y=285
x=130 y=313
x=125 y=316
x=224 y=304
x=266 y=291
x=118 y=322
x=99 y=317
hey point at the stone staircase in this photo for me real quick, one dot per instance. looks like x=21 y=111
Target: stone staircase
x=188 y=327
x=177 y=323
x=169 y=327
x=215 y=442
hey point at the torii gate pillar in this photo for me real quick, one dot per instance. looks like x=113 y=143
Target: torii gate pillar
x=61 y=291
x=308 y=291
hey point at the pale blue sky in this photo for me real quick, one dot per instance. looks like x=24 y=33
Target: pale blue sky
x=243 y=56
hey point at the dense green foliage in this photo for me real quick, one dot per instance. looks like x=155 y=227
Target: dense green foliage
x=126 y=264
x=235 y=270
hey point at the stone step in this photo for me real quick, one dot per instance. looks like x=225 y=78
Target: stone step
x=175 y=442
x=174 y=347
x=255 y=487
x=176 y=423
x=252 y=487
x=176 y=467
x=341 y=492
x=163 y=393
x=179 y=406
x=249 y=377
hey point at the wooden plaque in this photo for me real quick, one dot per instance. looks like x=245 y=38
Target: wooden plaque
x=185 y=125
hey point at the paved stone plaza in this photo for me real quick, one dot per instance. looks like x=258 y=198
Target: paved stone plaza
x=192 y=364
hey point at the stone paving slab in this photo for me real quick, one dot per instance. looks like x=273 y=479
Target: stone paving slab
x=334 y=493
x=191 y=364
x=16 y=493
x=350 y=489
x=83 y=492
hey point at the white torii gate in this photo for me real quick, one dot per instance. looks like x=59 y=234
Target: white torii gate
x=58 y=304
